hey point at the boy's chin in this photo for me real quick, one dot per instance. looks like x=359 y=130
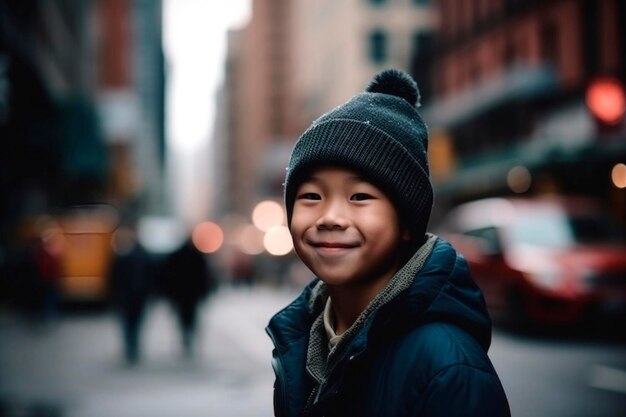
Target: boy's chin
x=344 y=281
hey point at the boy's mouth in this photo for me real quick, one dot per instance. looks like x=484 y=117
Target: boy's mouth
x=333 y=245
x=332 y=248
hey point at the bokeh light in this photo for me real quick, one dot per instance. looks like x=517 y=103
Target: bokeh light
x=519 y=179
x=248 y=239
x=267 y=214
x=208 y=237
x=605 y=98
x=277 y=241
x=618 y=175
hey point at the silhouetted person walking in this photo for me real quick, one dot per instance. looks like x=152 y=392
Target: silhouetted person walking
x=186 y=281
x=131 y=280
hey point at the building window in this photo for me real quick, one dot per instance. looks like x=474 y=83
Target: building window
x=378 y=46
x=511 y=52
x=422 y=53
x=482 y=10
x=377 y=2
x=549 y=43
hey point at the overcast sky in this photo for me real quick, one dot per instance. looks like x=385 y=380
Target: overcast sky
x=195 y=45
x=195 y=48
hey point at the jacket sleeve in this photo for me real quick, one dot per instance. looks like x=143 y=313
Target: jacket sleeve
x=464 y=390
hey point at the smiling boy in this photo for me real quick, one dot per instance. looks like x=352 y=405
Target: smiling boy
x=393 y=324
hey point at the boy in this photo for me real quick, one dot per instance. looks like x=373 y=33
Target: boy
x=393 y=325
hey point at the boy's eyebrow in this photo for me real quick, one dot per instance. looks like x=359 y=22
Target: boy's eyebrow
x=353 y=178
x=310 y=178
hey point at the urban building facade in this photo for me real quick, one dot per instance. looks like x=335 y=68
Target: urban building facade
x=511 y=110
x=258 y=100
x=131 y=99
x=341 y=45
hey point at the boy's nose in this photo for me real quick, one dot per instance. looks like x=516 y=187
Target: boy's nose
x=333 y=216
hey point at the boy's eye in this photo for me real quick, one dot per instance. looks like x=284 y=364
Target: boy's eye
x=361 y=197
x=309 y=196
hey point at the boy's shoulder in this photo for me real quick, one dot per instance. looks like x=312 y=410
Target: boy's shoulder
x=436 y=346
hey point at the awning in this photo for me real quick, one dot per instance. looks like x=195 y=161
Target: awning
x=518 y=83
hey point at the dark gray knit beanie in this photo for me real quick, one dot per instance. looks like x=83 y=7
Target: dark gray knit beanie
x=380 y=135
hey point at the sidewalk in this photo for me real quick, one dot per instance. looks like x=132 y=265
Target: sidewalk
x=74 y=368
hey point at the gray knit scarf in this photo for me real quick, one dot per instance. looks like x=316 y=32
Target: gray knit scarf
x=321 y=361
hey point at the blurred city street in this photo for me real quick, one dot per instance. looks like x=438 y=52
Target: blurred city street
x=143 y=141
x=74 y=368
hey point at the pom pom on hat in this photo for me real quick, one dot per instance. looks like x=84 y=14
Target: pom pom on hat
x=396 y=83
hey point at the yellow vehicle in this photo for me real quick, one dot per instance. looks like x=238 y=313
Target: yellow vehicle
x=87 y=232
x=79 y=241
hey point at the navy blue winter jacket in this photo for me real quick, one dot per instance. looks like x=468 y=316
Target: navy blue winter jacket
x=422 y=354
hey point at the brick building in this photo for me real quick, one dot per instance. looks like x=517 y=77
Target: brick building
x=510 y=80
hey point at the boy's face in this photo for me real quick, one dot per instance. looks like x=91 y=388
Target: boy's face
x=345 y=229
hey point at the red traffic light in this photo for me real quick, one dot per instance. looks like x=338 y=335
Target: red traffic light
x=606 y=100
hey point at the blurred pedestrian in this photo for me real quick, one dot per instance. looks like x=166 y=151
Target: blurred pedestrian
x=131 y=285
x=48 y=258
x=393 y=325
x=34 y=272
x=186 y=280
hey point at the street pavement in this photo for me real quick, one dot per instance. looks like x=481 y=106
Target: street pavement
x=74 y=367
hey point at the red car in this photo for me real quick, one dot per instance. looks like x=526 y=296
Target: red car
x=549 y=260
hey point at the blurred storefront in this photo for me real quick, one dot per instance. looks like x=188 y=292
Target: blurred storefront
x=61 y=132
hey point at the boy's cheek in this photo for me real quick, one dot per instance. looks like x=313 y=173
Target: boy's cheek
x=299 y=221
x=297 y=247
x=293 y=231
